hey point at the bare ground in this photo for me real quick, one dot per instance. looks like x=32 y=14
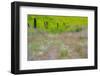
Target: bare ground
x=68 y=45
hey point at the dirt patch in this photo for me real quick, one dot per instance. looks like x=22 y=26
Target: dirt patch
x=68 y=45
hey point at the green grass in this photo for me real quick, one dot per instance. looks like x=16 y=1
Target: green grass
x=57 y=38
x=63 y=54
x=57 y=24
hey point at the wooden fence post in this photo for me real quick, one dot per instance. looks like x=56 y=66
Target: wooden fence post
x=57 y=25
x=28 y=25
x=46 y=24
x=35 y=26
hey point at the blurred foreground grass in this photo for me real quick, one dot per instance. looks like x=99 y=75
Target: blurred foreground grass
x=57 y=37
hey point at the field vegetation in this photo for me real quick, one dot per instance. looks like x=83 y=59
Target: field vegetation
x=57 y=37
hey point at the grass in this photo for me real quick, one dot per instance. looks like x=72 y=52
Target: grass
x=57 y=24
x=63 y=53
x=55 y=37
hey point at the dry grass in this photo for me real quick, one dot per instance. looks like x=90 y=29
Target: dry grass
x=68 y=45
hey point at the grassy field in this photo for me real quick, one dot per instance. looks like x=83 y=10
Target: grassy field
x=57 y=37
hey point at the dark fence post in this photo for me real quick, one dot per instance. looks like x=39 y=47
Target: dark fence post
x=57 y=25
x=35 y=26
x=46 y=25
x=28 y=25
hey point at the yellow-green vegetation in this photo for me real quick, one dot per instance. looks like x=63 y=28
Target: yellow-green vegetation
x=57 y=24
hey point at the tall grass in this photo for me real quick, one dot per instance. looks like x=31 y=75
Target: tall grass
x=57 y=24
